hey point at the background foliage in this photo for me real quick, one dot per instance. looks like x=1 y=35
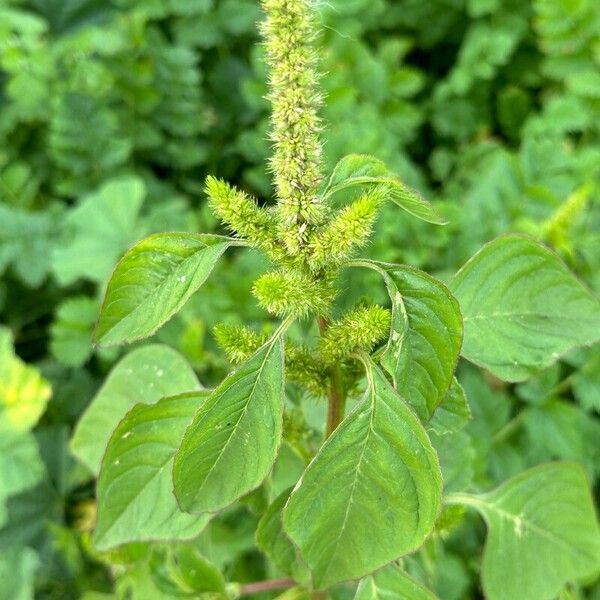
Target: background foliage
x=112 y=114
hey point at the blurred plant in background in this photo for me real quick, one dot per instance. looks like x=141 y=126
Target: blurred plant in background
x=111 y=115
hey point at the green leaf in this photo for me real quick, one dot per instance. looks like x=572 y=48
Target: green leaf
x=135 y=497
x=233 y=441
x=20 y=464
x=183 y=571
x=457 y=459
x=542 y=532
x=371 y=494
x=272 y=540
x=71 y=333
x=425 y=336
x=26 y=240
x=144 y=375
x=18 y=568
x=522 y=308
x=101 y=228
x=24 y=393
x=453 y=413
x=153 y=281
x=392 y=583
x=360 y=169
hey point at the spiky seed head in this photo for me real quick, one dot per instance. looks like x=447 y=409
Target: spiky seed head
x=238 y=342
x=242 y=215
x=287 y=292
x=350 y=229
x=357 y=331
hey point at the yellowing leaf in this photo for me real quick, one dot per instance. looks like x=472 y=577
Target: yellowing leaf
x=24 y=393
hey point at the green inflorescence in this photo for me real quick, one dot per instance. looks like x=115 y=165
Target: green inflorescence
x=288 y=33
x=307 y=239
x=357 y=331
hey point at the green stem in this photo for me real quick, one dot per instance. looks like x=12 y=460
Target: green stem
x=510 y=428
x=337 y=401
x=463 y=499
x=337 y=395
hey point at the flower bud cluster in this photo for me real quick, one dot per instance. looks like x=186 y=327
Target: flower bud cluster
x=357 y=331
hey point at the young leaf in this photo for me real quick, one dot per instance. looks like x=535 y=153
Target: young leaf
x=453 y=413
x=522 y=308
x=360 y=169
x=542 y=532
x=135 y=497
x=232 y=443
x=271 y=539
x=153 y=281
x=425 y=336
x=392 y=583
x=144 y=375
x=371 y=494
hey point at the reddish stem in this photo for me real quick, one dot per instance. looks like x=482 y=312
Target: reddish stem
x=248 y=589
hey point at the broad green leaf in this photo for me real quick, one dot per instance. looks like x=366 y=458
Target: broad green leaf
x=17 y=573
x=24 y=393
x=272 y=540
x=425 y=336
x=522 y=308
x=153 y=281
x=453 y=413
x=542 y=532
x=562 y=430
x=101 y=228
x=21 y=466
x=371 y=494
x=586 y=380
x=233 y=441
x=457 y=459
x=360 y=169
x=26 y=240
x=392 y=583
x=145 y=375
x=183 y=571
x=135 y=487
x=71 y=332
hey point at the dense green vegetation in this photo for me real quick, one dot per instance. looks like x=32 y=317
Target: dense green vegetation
x=112 y=114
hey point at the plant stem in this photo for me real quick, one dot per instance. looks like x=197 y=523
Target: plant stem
x=337 y=394
x=510 y=428
x=337 y=401
x=248 y=589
